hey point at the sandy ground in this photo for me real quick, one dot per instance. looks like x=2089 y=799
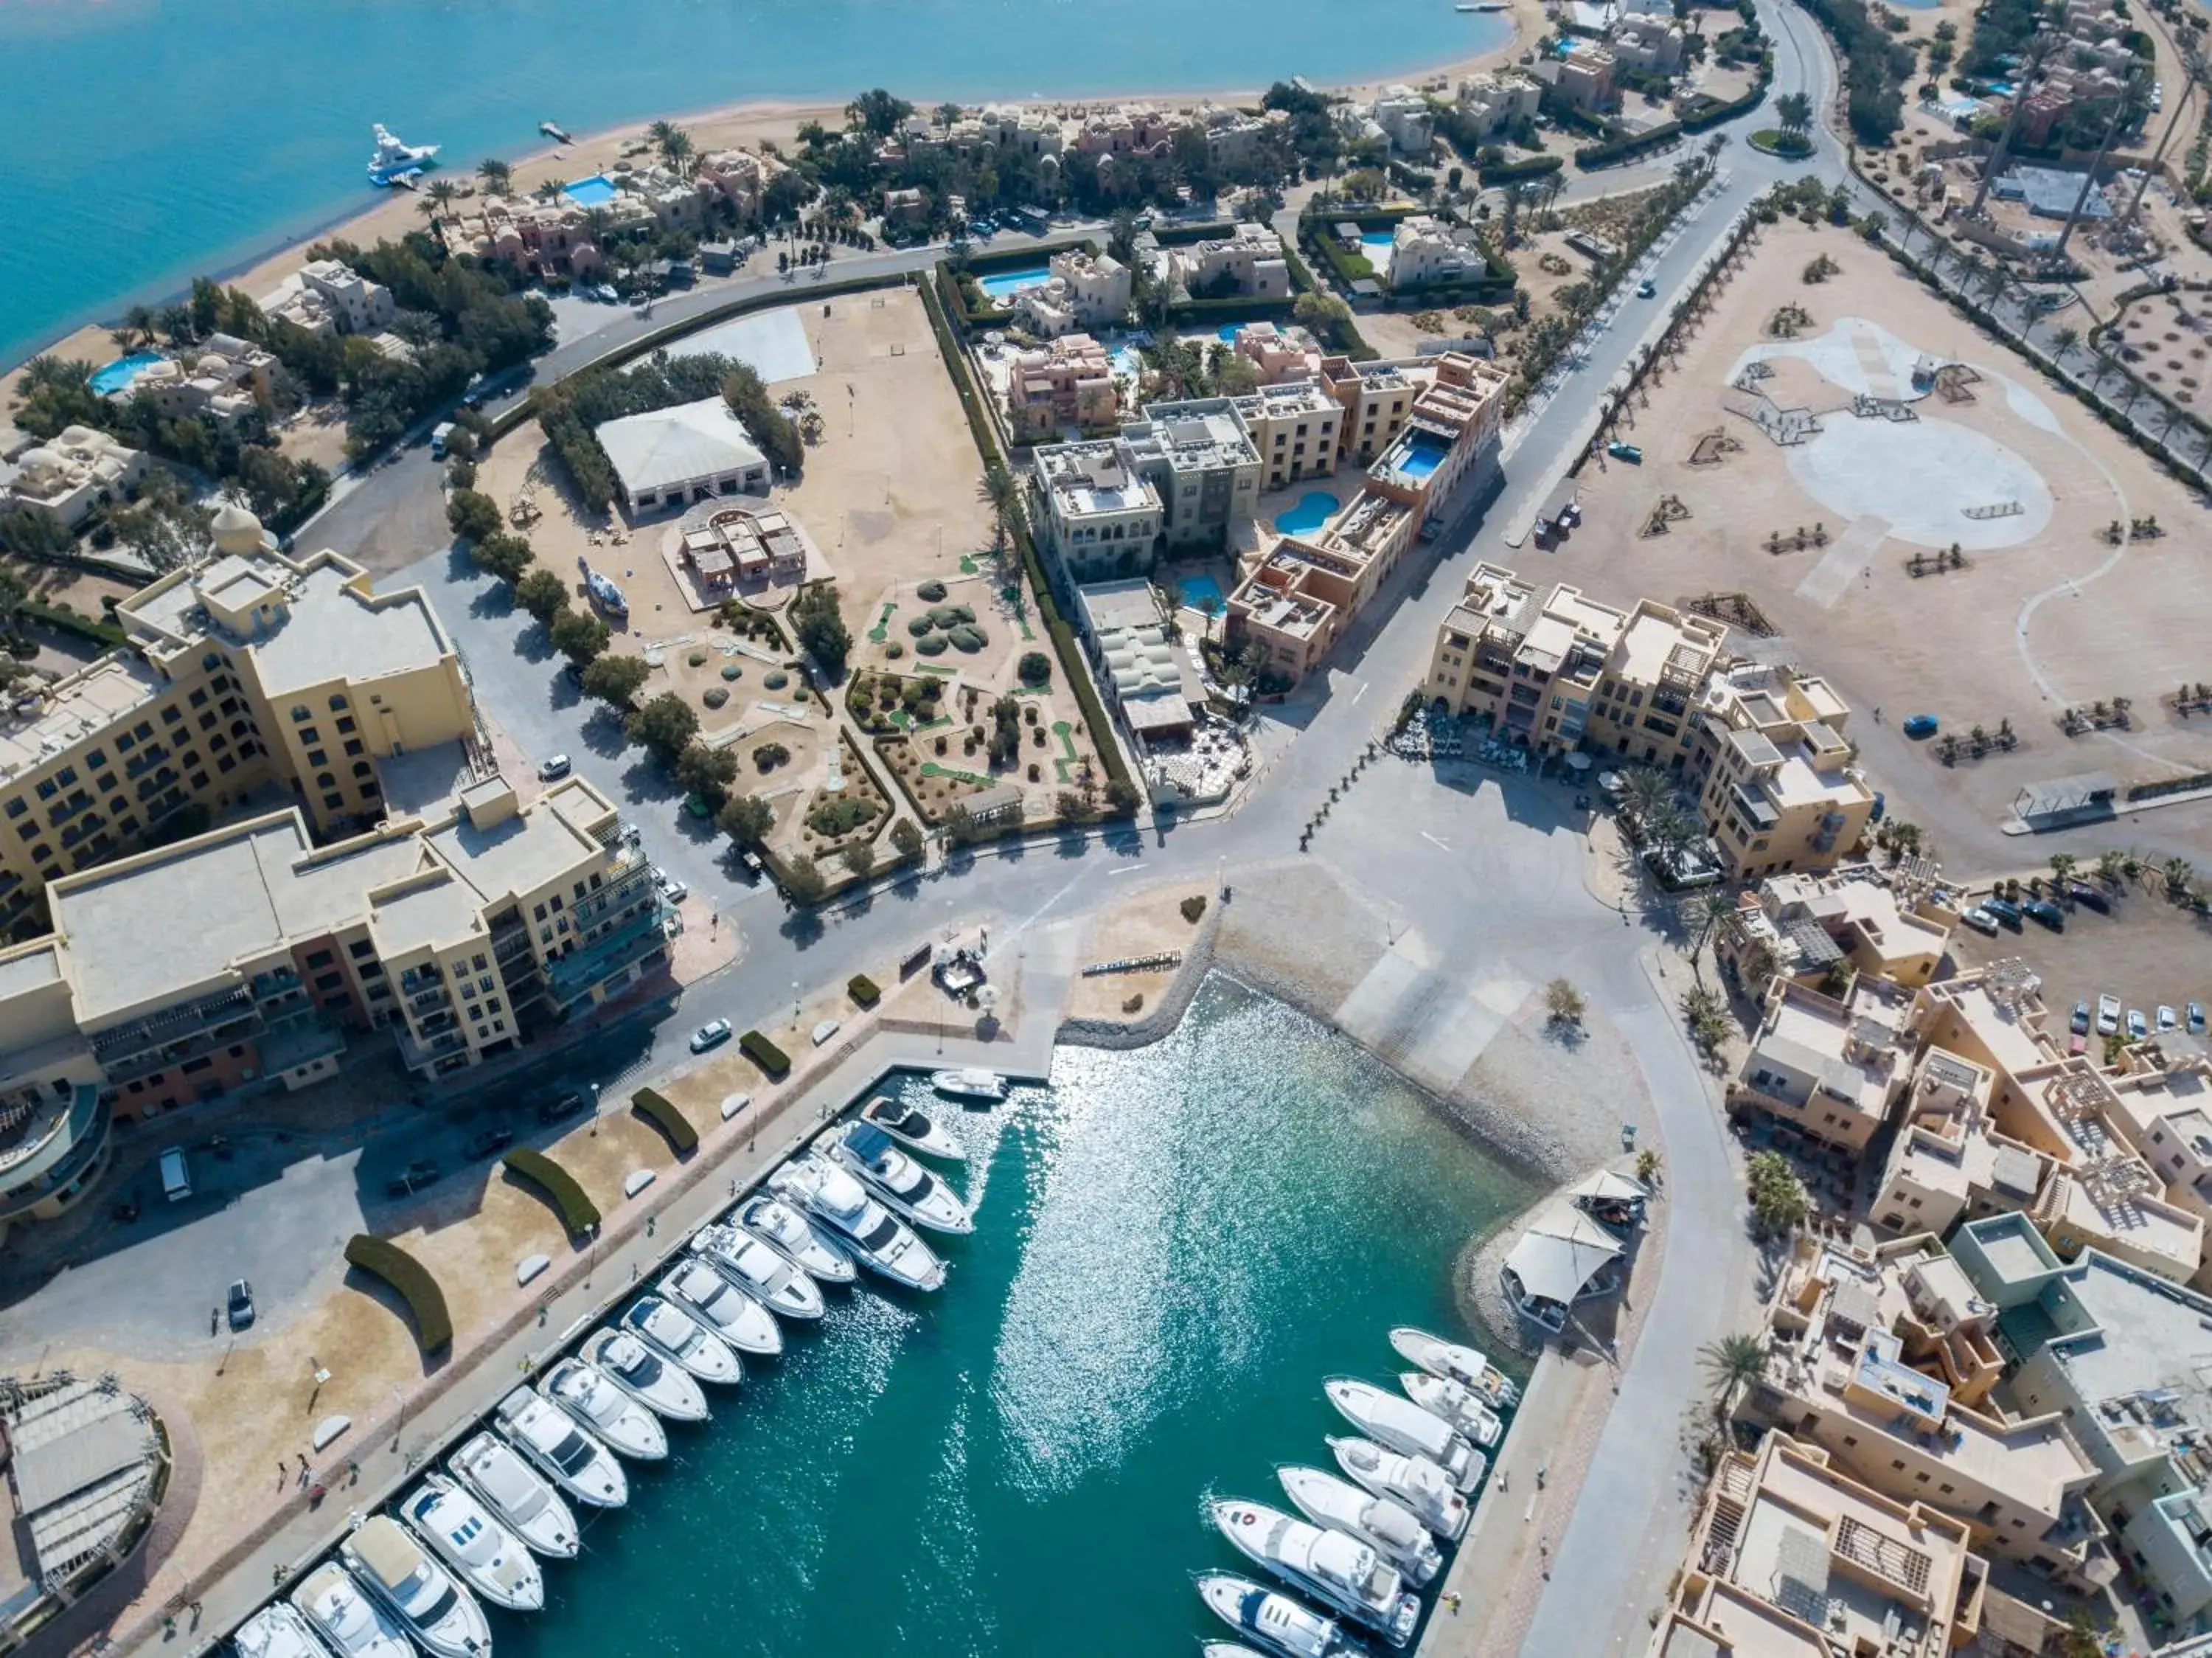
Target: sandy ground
x=1148 y=924
x=2052 y=618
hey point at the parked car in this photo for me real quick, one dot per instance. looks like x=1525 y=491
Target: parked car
x=1646 y=289
x=176 y=1174
x=2079 y=1023
x=2042 y=910
x=2193 y=1016
x=2167 y=1019
x=561 y=1105
x=558 y=766
x=240 y=1307
x=2108 y=1014
x=671 y=888
x=2138 y=1028
x=1628 y=452
x=491 y=1141
x=631 y=834
x=1981 y=919
x=2090 y=898
x=712 y=1034
x=2007 y=913
x=1919 y=726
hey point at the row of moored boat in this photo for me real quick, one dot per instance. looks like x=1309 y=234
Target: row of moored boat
x=1361 y=1546
x=416 y=1582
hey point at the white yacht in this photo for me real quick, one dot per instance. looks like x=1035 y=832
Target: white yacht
x=663 y=1386
x=1275 y=1621
x=763 y=1273
x=393 y=161
x=675 y=1334
x=1397 y=1535
x=490 y=1560
x=906 y=1188
x=883 y=1244
x=1404 y=1426
x=1224 y=1649
x=343 y=1618
x=786 y=1230
x=277 y=1631
x=628 y=1429
x=1342 y=1571
x=442 y=1616
x=723 y=1307
x=1455 y=1363
x=570 y=1456
x=973 y=1082
x=912 y=1128
x=1458 y=1405
x=1415 y=1481
x=520 y=1499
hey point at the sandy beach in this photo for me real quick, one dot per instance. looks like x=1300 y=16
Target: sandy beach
x=747 y=125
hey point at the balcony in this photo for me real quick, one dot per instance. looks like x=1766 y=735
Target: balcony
x=569 y=975
x=62 y=1143
x=423 y=1001
x=173 y=1025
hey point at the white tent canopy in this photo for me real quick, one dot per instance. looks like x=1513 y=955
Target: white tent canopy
x=1559 y=1255
x=1604 y=1185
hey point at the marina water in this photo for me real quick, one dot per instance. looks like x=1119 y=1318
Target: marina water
x=1173 y=1248
x=149 y=140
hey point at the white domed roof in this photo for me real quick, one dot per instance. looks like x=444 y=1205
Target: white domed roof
x=236 y=530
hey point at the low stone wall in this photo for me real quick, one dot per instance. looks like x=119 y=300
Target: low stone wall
x=1167 y=1012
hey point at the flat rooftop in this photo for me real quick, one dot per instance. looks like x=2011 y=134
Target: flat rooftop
x=89 y=700
x=333 y=632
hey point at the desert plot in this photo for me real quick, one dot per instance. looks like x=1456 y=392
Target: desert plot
x=1813 y=446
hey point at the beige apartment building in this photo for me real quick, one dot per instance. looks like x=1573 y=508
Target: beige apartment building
x=1887 y=1360
x=253 y=956
x=1892 y=924
x=1294 y=427
x=1779 y=788
x=1790 y=1557
x=1828 y=1069
x=254 y=668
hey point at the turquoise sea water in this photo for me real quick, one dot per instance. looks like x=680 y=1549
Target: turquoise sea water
x=1174 y=1247
x=147 y=140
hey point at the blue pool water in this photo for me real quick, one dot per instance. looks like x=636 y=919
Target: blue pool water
x=1227 y=334
x=117 y=375
x=594 y=191
x=1376 y=245
x=1201 y=593
x=1417 y=458
x=1004 y=284
x=1125 y=359
x=1315 y=508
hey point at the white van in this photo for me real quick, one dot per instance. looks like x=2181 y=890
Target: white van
x=438 y=437
x=176 y=1174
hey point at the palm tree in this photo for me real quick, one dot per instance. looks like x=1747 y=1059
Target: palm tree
x=137 y=325
x=2177 y=873
x=1735 y=1362
x=176 y=321
x=60 y=373
x=495 y=174
x=1646 y=788
x=1709 y=912
x=438 y=197
x=673 y=143
x=1001 y=492
x=1795 y=111
x=2063 y=342
x=549 y=191
x=2062 y=865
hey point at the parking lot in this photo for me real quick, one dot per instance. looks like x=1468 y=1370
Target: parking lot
x=2148 y=951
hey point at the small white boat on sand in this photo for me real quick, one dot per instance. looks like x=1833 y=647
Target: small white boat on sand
x=277 y=1631
x=1343 y=1572
x=675 y=1334
x=521 y=1499
x=1423 y=1487
x=1275 y=1622
x=570 y=1455
x=912 y=1128
x=765 y=1274
x=593 y=1399
x=1458 y=1405
x=808 y=1245
x=343 y=1618
x=662 y=1386
x=906 y=1188
x=971 y=1083
x=1456 y=1364
x=1396 y=1533
x=1404 y=1426
x=735 y=1317
x=441 y=1616
x=883 y=1244
x=463 y=1533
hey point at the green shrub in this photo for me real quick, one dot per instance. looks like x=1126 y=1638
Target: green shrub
x=919 y=625
x=930 y=591
x=683 y=1138
x=1036 y=668
x=776 y=680
x=697 y=659
x=840 y=815
x=772 y=1060
x=714 y=696
x=894 y=650
x=426 y=1302
x=932 y=646
x=862 y=989
x=570 y=1202
x=1192 y=907
x=967 y=638
x=731 y=671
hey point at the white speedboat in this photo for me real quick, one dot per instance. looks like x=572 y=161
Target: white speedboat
x=883 y=1244
x=1224 y=1649
x=1456 y=1364
x=809 y=1247
x=723 y=1307
x=442 y=1616
x=277 y=1631
x=912 y=1128
x=763 y=1273
x=461 y=1531
x=972 y=1083
x=343 y=1618
x=906 y=1187
x=1275 y=1621
x=1343 y=1572
x=673 y=1333
x=1415 y=1481
x=393 y=161
x=1402 y=1425
x=517 y=1495
x=663 y=1386
x=628 y=1429
x=569 y=1455
x=1458 y=1405
x=1397 y=1535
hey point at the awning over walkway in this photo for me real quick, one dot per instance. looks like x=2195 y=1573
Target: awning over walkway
x=1559 y=1255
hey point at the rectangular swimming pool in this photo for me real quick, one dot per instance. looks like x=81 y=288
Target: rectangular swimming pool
x=1004 y=284
x=1416 y=457
x=595 y=192
x=1201 y=593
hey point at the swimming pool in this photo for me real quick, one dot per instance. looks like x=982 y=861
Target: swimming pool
x=1416 y=457
x=1315 y=508
x=1201 y=593
x=1227 y=334
x=117 y=375
x=1375 y=246
x=1004 y=284
x=595 y=192
x=1126 y=360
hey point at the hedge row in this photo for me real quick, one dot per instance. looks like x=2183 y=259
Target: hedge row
x=1243 y=307
x=656 y=1110
x=577 y=1211
x=1535 y=167
x=1345 y=336
x=1591 y=157
x=107 y=634
x=433 y=1324
x=764 y=1053
x=863 y=990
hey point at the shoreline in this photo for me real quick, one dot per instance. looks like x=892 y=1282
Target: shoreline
x=777 y=119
